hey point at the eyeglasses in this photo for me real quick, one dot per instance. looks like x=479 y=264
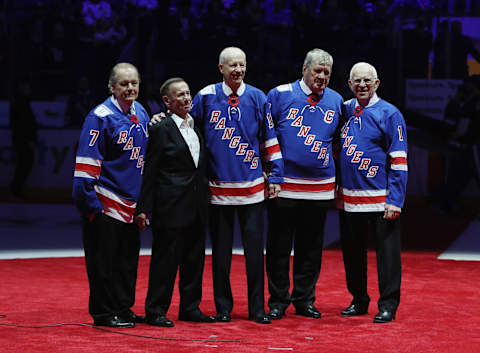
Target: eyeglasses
x=366 y=81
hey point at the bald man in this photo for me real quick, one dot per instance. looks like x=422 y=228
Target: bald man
x=241 y=143
x=373 y=179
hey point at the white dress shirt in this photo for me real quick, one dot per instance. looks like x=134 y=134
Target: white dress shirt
x=186 y=129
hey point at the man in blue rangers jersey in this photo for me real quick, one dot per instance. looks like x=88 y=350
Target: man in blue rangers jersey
x=106 y=185
x=240 y=141
x=373 y=178
x=306 y=115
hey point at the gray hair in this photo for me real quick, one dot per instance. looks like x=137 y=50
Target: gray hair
x=227 y=52
x=165 y=87
x=318 y=56
x=370 y=67
x=113 y=78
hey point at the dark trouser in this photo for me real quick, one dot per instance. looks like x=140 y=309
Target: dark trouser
x=174 y=248
x=111 y=254
x=355 y=229
x=251 y=221
x=301 y=221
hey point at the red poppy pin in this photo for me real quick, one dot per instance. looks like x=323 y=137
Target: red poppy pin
x=134 y=118
x=233 y=100
x=358 y=111
x=313 y=99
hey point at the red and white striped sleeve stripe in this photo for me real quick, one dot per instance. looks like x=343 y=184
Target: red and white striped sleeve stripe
x=116 y=206
x=272 y=150
x=237 y=193
x=86 y=167
x=398 y=160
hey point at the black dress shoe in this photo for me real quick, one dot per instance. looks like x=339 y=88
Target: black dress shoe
x=354 y=310
x=261 y=319
x=383 y=317
x=224 y=317
x=159 y=320
x=139 y=319
x=197 y=316
x=309 y=311
x=116 y=321
x=276 y=313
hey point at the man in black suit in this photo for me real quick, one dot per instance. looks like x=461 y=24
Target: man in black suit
x=174 y=192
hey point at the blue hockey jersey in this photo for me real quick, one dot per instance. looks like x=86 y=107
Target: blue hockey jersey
x=110 y=159
x=305 y=125
x=240 y=142
x=373 y=160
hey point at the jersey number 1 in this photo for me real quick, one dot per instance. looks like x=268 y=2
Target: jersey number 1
x=400 y=135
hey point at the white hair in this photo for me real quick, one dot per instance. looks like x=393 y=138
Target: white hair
x=370 y=67
x=228 y=52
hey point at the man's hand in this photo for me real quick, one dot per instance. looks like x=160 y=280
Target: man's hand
x=391 y=212
x=142 y=221
x=156 y=118
x=273 y=190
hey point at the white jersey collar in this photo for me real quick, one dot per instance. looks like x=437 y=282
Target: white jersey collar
x=305 y=88
x=228 y=91
x=372 y=101
x=115 y=103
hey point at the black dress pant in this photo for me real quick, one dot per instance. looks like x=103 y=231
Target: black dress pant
x=174 y=249
x=300 y=222
x=355 y=229
x=111 y=255
x=252 y=222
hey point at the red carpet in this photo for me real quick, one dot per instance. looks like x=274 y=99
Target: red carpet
x=439 y=312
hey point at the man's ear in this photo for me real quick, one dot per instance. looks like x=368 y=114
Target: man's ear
x=220 y=67
x=165 y=100
x=350 y=84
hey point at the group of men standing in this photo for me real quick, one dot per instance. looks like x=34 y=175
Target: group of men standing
x=233 y=152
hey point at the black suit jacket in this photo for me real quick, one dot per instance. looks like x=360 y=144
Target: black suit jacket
x=173 y=190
